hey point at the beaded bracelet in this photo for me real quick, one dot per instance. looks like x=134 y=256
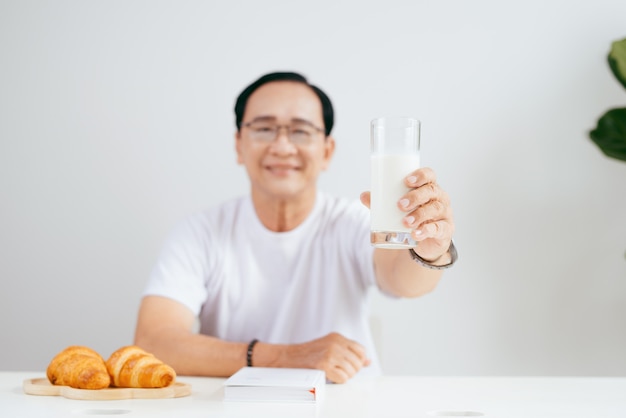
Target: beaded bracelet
x=249 y=355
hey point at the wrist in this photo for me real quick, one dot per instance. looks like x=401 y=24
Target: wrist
x=444 y=261
x=250 y=352
x=437 y=261
x=267 y=355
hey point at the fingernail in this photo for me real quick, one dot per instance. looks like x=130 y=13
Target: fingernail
x=404 y=203
x=418 y=232
x=412 y=179
x=410 y=220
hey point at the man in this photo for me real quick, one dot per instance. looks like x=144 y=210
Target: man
x=280 y=278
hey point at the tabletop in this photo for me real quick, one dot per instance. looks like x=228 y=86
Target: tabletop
x=384 y=396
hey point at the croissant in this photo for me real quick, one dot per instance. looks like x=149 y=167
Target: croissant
x=78 y=367
x=132 y=367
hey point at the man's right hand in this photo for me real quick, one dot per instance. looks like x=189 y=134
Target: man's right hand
x=164 y=328
x=339 y=357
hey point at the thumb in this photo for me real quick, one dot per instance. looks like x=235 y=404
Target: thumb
x=365 y=199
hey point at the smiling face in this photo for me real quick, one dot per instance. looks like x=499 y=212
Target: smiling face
x=279 y=169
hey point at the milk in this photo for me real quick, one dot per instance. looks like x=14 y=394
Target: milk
x=387 y=188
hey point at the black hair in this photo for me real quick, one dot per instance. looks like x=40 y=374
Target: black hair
x=242 y=100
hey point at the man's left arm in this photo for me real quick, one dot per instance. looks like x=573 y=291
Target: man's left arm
x=429 y=215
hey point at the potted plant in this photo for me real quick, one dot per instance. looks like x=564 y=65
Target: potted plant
x=610 y=133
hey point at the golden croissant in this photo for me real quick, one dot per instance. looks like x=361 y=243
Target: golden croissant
x=132 y=367
x=78 y=367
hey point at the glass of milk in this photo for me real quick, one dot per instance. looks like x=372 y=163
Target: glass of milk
x=395 y=153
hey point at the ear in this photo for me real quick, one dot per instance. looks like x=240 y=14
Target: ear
x=329 y=151
x=238 y=147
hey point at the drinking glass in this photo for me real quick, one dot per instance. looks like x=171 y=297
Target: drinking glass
x=395 y=146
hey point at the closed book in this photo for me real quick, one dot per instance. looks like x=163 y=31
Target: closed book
x=275 y=384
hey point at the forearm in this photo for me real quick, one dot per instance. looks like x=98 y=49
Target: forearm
x=398 y=274
x=201 y=355
x=164 y=328
x=194 y=354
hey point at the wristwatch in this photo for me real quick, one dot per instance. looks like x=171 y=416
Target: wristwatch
x=453 y=257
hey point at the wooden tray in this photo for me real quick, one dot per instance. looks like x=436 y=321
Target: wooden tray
x=42 y=386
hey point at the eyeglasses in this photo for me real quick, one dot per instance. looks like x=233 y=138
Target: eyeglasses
x=299 y=133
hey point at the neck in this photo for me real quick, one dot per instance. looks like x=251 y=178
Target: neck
x=282 y=214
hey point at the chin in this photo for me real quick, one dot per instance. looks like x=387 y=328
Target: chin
x=285 y=191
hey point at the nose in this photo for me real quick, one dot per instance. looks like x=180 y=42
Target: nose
x=282 y=131
x=282 y=144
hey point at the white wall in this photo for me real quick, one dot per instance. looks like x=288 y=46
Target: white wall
x=116 y=121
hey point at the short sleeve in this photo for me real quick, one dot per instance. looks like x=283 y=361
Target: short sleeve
x=355 y=225
x=364 y=252
x=182 y=267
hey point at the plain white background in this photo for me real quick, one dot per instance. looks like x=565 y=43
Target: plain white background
x=116 y=121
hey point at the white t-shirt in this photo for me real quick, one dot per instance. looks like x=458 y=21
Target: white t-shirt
x=246 y=282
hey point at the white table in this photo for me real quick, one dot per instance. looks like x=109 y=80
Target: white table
x=387 y=397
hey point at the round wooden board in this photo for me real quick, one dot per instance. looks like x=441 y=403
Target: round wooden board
x=42 y=386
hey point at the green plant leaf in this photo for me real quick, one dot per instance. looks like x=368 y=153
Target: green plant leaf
x=610 y=133
x=617 y=60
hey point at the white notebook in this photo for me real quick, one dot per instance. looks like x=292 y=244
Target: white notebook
x=275 y=385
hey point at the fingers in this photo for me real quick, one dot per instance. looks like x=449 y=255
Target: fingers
x=346 y=358
x=427 y=212
x=423 y=194
x=427 y=207
x=339 y=357
x=356 y=356
x=340 y=373
x=438 y=230
x=431 y=212
x=423 y=183
x=421 y=177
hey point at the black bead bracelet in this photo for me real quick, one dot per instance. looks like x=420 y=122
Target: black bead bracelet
x=249 y=355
